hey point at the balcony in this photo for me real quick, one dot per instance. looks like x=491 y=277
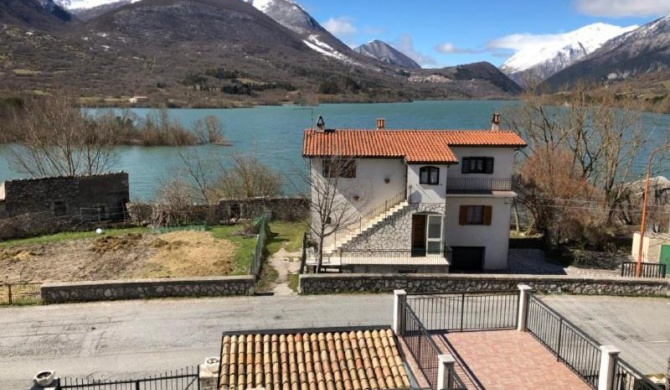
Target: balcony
x=466 y=185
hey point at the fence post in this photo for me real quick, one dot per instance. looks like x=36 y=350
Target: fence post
x=445 y=369
x=9 y=293
x=303 y=258
x=667 y=377
x=609 y=355
x=399 y=302
x=524 y=296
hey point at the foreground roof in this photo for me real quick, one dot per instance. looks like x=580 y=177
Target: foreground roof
x=312 y=361
x=413 y=145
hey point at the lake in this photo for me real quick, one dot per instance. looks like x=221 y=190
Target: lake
x=274 y=134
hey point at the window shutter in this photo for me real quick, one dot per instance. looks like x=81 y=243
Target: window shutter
x=463 y=215
x=465 y=168
x=488 y=168
x=488 y=213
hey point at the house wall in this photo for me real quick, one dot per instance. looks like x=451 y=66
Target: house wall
x=369 y=184
x=494 y=237
x=651 y=247
x=425 y=193
x=503 y=162
x=77 y=193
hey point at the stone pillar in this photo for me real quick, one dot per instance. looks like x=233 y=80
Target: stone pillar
x=608 y=357
x=445 y=368
x=209 y=374
x=399 y=302
x=524 y=295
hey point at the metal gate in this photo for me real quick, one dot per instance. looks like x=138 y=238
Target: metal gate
x=183 y=379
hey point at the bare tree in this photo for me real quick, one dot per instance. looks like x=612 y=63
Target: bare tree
x=331 y=210
x=58 y=139
x=209 y=130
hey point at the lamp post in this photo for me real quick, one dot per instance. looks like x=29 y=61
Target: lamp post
x=643 y=224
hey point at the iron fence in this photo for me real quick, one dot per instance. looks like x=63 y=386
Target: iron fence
x=467 y=311
x=257 y=258
x=571 y=346
x=467 y=185
x=628 y=378
x=182 y=379
x=647 y=270
x=20 y=294
x=422 y=347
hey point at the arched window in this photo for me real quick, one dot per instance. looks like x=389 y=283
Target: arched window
x=429 y=175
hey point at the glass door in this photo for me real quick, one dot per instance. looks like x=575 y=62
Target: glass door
x=434 y=234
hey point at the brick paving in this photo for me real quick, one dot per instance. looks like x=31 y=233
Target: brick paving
x=510 y=360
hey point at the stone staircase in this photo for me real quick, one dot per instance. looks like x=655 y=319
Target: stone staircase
x=364 y=226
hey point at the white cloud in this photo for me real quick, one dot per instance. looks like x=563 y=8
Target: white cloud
x=519 y=42
x=406 y=46
x=341 y=26
x=450 y=48
x=621 y=8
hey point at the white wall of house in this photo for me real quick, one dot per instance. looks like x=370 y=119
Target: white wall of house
x=426 y=193
x=503 y=162
x=651 y=246
x=494 y=237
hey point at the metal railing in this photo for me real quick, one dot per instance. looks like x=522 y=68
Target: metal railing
x=257 y=258
x=466 y=185
x=628 y=378
x=389 y=253
x=467 y=311
x=570 y=345
x=647 y=270
x=422 y=347
x=182 y=379
x=20 y=294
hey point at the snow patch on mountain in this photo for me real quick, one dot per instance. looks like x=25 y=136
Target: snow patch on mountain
x=315 y=44
x=88 y=4
x=549 y=56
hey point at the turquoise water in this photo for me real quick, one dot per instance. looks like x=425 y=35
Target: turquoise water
x=274 y=134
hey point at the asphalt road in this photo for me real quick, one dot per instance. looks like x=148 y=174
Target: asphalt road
x=135 y=338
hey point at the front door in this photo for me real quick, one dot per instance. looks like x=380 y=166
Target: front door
x=419 y=235
x=665 y=258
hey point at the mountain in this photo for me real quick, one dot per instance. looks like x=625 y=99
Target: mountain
x=387 y=54
x=292 y=16
x=638 y=52
x=37 y=14
x=541 y=61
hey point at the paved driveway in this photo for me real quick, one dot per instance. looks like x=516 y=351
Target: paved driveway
x=639 y=327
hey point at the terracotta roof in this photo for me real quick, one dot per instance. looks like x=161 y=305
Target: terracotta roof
x=412 y=145
x=312 y=361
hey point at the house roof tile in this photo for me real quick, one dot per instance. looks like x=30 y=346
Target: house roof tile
x=312 y=361
x=412 y=145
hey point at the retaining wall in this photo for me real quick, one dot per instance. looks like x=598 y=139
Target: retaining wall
x=148 y=288
x=426 y=283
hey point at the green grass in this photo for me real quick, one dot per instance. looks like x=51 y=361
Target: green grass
x=246 y=245
x=69 y=236
x=293 y=281
x=286 y=234
x=267 y=278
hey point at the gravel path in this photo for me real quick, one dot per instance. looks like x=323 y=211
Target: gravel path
x=284 y=262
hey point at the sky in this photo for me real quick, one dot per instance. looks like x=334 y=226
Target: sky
x=438 y=33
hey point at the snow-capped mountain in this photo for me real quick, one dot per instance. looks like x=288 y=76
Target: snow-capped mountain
x=546 y=58
x=641 y=51
x=291 y=15
x=88 y=4
x=386 y=53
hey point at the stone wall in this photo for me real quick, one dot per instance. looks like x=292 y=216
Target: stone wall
x=149 y=288
x=394 y=232
x=425 y=283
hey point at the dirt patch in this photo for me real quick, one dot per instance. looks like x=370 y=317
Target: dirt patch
x=129 y=256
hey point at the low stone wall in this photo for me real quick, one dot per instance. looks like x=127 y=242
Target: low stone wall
x=426 y=283
x=148 y=288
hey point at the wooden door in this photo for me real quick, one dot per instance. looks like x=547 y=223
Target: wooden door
x=418 y=235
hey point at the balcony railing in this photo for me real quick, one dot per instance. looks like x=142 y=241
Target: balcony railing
x=467 y=185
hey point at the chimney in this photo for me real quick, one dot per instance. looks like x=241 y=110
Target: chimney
x=495 y=122
x=381 y=123
x=320 y=123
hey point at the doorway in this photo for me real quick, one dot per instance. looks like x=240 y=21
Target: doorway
x=467 y=259
x=426 y=234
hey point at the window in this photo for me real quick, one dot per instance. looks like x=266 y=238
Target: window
x=477 y=165
x=429 y=175
x=475 y=215
x=339 y=167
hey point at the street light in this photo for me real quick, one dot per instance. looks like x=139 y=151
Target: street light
x=643 y=224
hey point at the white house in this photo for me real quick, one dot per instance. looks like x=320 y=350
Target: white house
x=415 y=200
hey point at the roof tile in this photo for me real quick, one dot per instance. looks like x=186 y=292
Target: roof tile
x=412 y=145
x=312 y=361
